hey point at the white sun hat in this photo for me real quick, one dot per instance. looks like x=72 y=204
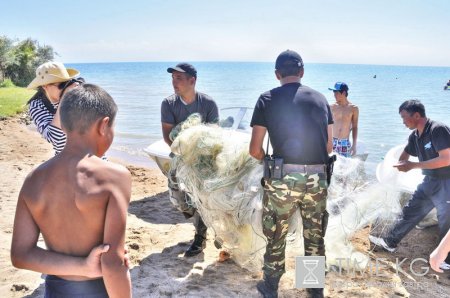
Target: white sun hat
x=52 y=72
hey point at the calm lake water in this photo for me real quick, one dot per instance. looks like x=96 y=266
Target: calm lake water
x=138 y=88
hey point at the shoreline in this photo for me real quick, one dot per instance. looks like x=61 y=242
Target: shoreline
x=119 y=156
x=157 y=235
x=126 y=158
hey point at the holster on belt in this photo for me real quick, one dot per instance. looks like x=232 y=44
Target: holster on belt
x=273 y=166
x=330 y=166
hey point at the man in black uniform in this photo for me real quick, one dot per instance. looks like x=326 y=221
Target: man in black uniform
x=299 y=122
x=430 y=141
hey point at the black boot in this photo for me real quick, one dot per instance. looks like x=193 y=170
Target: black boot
x=315 y=293
x=268 y=287
x=197 y=246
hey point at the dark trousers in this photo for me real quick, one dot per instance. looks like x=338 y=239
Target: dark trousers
x=200 y=227
x=56 y=287
x=183 y=202
x=432 y=192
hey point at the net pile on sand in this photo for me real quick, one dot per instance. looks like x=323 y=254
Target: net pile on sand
x=354 y=202
x=213 y=165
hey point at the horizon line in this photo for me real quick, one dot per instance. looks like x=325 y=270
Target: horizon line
x=242 y=61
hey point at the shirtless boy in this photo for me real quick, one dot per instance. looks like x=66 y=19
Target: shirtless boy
x=345 y=115
x=77 y=201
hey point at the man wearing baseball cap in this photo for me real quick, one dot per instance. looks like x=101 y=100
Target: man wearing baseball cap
x=174 y=110
x=345 y=115
x=299 y=122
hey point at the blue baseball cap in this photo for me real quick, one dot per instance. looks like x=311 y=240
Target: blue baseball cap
x=339 y=86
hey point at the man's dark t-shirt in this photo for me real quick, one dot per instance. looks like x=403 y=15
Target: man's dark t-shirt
x=435 y=137
x=174 y=111
x=297 y=119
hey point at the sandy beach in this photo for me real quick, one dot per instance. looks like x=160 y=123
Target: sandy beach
x=158 y=235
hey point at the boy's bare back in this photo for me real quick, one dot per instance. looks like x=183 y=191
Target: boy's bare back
x=71 y=210
x=77 y=201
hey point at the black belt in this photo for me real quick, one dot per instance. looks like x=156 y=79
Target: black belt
x=310 y=169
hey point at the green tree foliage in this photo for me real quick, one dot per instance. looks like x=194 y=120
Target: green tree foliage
x=6 y=56
x=19 y=60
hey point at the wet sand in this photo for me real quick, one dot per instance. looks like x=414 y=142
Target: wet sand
x=157 y=236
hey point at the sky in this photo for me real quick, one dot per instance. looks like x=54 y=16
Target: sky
x=386 y=32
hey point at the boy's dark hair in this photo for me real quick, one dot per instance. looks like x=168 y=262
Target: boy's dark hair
x=83 y=106
x=412 y=106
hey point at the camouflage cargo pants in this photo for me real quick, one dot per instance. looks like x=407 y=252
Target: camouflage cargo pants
x=281 y=200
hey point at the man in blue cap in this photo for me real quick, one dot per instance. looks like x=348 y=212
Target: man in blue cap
x=345 y=116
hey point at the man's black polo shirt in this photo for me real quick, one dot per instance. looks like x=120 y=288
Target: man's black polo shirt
x=435 y=137
x=297 y=119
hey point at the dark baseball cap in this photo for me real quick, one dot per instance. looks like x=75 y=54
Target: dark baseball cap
x=288 y=58
x=184 y=67
x=339 y=86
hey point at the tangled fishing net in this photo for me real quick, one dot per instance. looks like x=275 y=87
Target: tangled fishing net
x=224 y=183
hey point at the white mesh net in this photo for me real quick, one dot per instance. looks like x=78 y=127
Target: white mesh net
x=213 y=165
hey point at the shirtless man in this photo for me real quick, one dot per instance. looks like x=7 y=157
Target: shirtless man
x=345 y=115
x=77 y=201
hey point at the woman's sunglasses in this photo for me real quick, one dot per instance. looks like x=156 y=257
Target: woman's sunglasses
x=64 y=85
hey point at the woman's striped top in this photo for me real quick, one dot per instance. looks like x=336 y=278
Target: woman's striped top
x=42 y=118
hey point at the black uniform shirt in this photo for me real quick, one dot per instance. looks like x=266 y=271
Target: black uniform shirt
x=297 y=119
x=435 y=137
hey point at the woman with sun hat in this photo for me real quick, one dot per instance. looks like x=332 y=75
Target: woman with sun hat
x=52 y=80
